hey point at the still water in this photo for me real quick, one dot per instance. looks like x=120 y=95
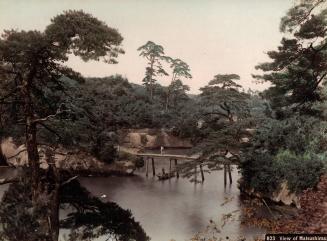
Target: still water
x=176 y=208
x=171 y=209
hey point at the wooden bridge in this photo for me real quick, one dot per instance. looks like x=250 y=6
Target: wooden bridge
x=175 y=158
x=151 y=156
x=171 y=156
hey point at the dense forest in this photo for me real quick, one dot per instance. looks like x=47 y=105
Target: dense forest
x=277 y=137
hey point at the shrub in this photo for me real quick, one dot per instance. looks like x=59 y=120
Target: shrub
x=107 y=154
x=300 y=171
x=292 y=150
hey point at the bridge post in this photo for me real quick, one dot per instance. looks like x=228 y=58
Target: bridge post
x=177 y=173
x=230 y=174
x=202 y=174
x=195 y=173
x=147 y=167
x=170 y=166
x=153 y=167
x=225 y=175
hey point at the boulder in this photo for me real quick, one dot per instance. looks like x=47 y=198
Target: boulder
x=285 y=196
x=76 y=161
x=151 y=139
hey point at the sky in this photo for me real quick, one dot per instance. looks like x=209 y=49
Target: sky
x=212 y=36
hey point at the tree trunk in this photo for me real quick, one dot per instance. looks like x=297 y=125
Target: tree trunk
x=30 y=136
x=150 y=76
x=3 y=159
x=50 y=199
x=54 y=208
x=33 y=158
x=167 y=102
x=54 y=227
x=45 y=195
x=151 y=91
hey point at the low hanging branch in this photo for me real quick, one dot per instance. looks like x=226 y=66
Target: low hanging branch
x=13 y=156
x=50 y=129
x=10 y=93
x=68 y=181
x=48 y=117
x=8 y=180
x=58 y=112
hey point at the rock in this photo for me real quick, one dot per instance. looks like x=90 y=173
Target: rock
x=127 y=163
x=130 y=171
x=285 y=196
x=128 y=166
x=44 y=165
x=151 y=139
x=312 y=217
x=80 y=161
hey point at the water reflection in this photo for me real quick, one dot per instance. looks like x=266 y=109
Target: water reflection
x=173 y=208
x=86 y=217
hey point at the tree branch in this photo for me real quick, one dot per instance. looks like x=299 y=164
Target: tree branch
x=69 y=180
x=8 y=180
x=58 y=112
x=217 y=113
x=10 y=93
x=50 y=129
x=16 y=154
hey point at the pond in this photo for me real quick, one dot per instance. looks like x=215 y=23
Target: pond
x=171 y=209
x=176 y=208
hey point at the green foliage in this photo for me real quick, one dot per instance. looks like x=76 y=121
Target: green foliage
x=292 y=150
x=180 y=69
x=154 y=53
x=120 y=104
x=39 y=89
x=85 y=35
x=16 y=217
x=92 y=218
x=88 y=217
x=301 y=171
x=221 y=122
x=289 y=143
x=183 y=119
x=298 y=67
x=223 y=99
x=176 y=91
x=139 y=162
x=224 y=109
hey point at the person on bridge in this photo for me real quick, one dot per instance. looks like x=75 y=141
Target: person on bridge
x=161 y=150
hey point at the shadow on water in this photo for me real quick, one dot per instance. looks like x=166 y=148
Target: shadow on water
x=83 y=216
x=175 y=208
x=172 y=209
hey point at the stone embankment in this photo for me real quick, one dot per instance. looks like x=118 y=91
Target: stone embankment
x=151 y=139
x=64 y=159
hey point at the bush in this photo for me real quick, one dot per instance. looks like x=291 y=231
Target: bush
x=139 y=162
x=107 y=154
x=292 y=150
x=300 y=171
x=258 y=173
